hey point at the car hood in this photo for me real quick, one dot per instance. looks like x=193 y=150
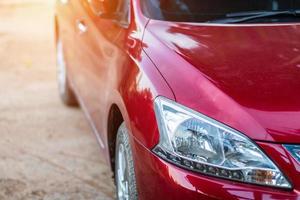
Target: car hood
x=247 y=76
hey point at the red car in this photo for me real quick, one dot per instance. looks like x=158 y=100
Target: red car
x=188 y=99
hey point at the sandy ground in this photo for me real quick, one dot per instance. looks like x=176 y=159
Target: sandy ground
x=47 y=151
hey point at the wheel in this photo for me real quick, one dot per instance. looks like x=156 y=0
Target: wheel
x=65 y=91
x=124 y=167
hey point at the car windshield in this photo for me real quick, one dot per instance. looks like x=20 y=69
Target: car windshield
x=214 y=10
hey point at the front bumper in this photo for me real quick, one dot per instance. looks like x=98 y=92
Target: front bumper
x=157 y=179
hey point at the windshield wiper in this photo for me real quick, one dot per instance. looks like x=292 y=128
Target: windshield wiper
x=252 y=15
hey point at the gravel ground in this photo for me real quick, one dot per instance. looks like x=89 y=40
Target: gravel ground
x=47 y=151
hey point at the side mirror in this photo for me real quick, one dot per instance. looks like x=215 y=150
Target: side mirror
x=104 y=8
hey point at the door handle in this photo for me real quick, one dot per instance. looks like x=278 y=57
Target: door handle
x=81 y=26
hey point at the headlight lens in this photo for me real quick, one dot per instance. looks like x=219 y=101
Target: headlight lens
x=198 y=143
x=294 y=150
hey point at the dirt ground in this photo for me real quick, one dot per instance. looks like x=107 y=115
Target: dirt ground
x=47 y=151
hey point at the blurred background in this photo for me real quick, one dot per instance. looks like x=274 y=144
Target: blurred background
x=47 y=151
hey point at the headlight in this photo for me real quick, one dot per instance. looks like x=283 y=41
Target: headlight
x=294 y=150
x=198 y=143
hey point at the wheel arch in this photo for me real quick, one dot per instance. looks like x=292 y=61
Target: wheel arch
x=115 y=119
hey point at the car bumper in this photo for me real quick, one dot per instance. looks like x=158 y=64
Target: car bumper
x=157 y=179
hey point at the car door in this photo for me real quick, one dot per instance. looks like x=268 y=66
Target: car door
x=101 y=38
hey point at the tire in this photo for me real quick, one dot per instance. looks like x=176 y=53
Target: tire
x=65 y=91
x=124 y=167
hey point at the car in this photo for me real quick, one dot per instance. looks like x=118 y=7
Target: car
x=188 y=99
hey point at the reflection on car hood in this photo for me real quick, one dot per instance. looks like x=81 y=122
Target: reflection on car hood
x=257 y=66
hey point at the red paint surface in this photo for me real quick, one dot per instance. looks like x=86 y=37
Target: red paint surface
x=246 y=76
x=158 y=179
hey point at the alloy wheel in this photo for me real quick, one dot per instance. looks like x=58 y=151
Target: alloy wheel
x=61 y=71
x=122 y=176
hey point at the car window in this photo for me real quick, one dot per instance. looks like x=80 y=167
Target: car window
x=118 y=10
x=207 y=10
x=123 y=10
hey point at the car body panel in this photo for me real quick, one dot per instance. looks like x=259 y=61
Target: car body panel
x=129 y=67
x=161 y=180
x=109 y=67
x=246 y=76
